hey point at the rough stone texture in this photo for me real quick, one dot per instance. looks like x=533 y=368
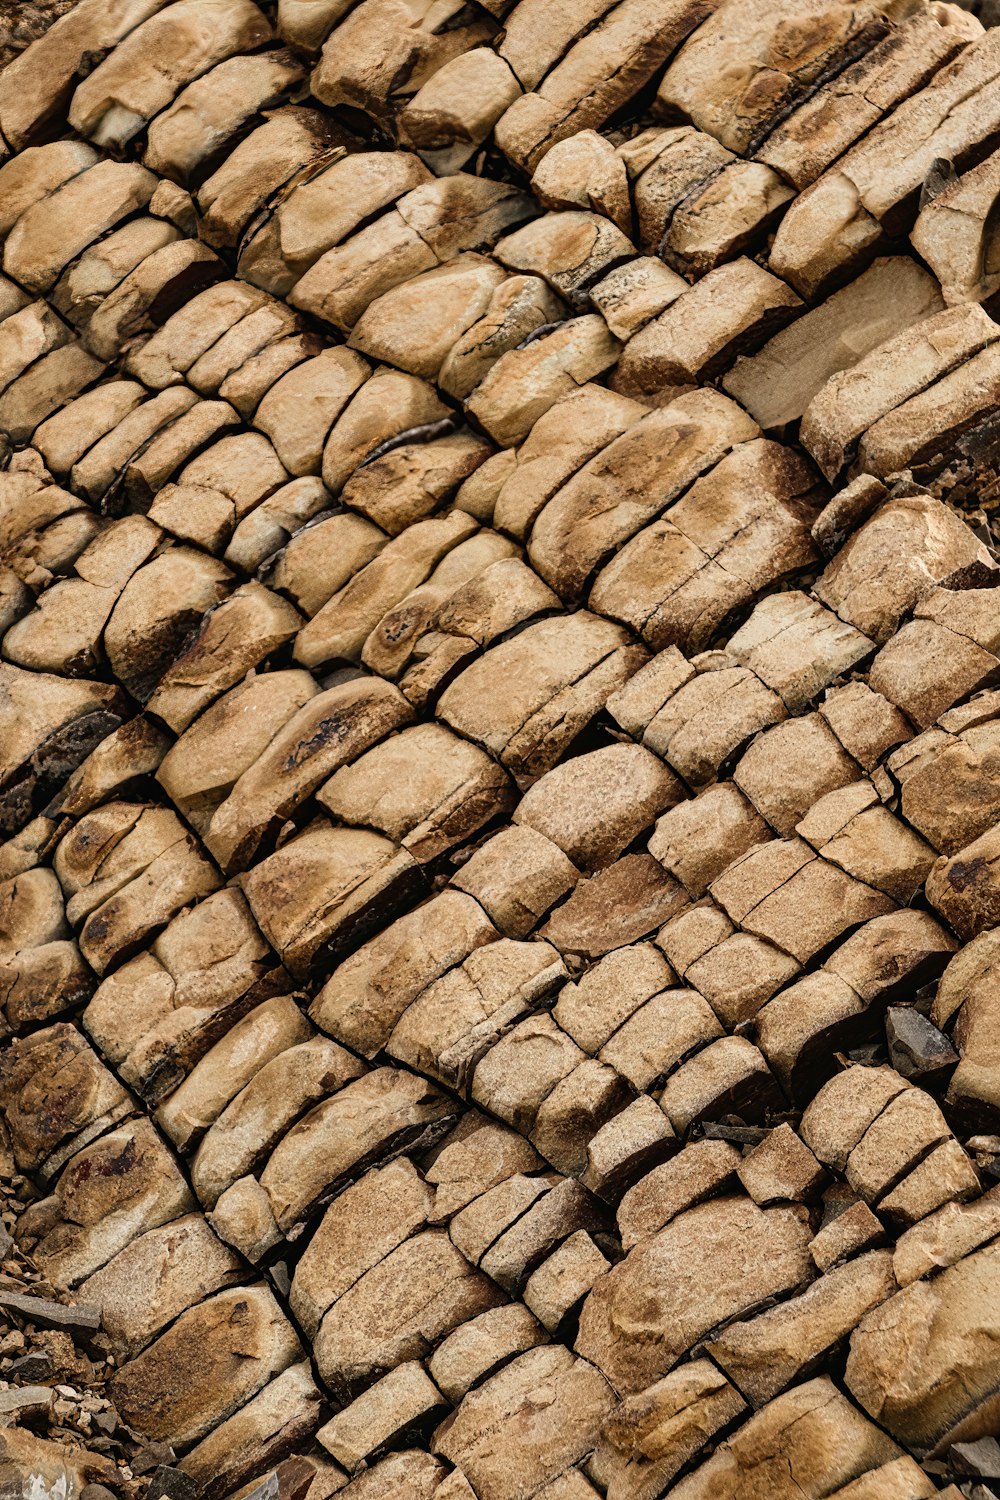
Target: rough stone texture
x=499 y=767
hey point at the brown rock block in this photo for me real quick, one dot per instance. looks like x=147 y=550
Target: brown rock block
x=253 y=1123
x=634 y=293
x=729 y=1076
x=26 y=1459
x=945 y=1237
x=280 y=1418
x=159 y=1275
x=841 y=109
x=526 y=699
x=659 y=1036
x=735 y=308
x=790 y=767
x=371 y=990
x=423 y=788
x=375 y=1117
x=347 y=618
x=627 y=484
x=593 y=1008
x=415 y=325
x=213 y=1359
x=811 y=1431
x=202 y=767
x=872 y=188
x=323 y=210
x=239 y=190
x=798 y=1028
x=399 y=1310
x=144 y=298
x=930 y=1392
x=852 y=830
x=953 y=234
x=458 y=1018
x=403 y=1400
x=632 y=1142
x=585 y=171
x=482 y=1345
x=945 y=1175
x=503 y=1422
x=852 y=402
x=207 y=116
x=781 y=52
x=844 y=1108
x=113 y=1190
x=964 y=888
x=854 y=1229
x=367 y=1222
x=57 y=1095
x=661 y=1296
x=300 y=408
x=702 y=721
x=763 y=1356
x=628 y=785
x=477 y=1154
x=597 y=75
x=649 y=1437
x=780 y=1169
x=331 y=729
x=623 y=902
x=376 y=53
x=527 y=381
x=950 y=783
x=796 y=647
x=698 y=838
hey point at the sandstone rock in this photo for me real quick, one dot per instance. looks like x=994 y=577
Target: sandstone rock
x=798 y=370
x=240 y=1335
x=527 y=698
x=453 y=112
x=486 y=1342
x=517 y=876
x=870 y=189
x=283 y=1415
x=739 y=528
x=208 y=115
x=597 y=74
x=159 y=1275
x=109 y=1192
x=930 y=1392
x=734 y=308
x=527 y=381
x=627 y=484
x=503 y=1421
x=374 y=1117
x=811 y=1431
x=658 y=1291
x=57 y=1094
x=398 y=1310
x=649 y=1437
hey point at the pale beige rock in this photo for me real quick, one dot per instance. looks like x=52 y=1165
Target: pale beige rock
x=453 y=112
x=525 y=383
x=737 y=531
x=629 y=482
x=374 y=1115
x=649 y=1437
x=516 y=876
x=108 y=1193
x=869 y=191
x=367 y=1222
x=482 y=1344
x=159 y=1275
x=33 y=331
x=945 y=1237
x=931 y=1391
x=596 y=75
x=214 y=1358
x=832 y=117
x=854 y=401
x=798 y=369
x=734 y=308
x=398 y=1310
x=405 y=1397
x=782 y=51
x=144 y=73
x=37 y=82
x=660 y=1295
x=503 y=1421
x=585 y=172
x=763 y=1356
x=208 y=114
x=812 y=1432
x=283 y=1415
x=527 y=698
x=161 y=281
x=633 y=294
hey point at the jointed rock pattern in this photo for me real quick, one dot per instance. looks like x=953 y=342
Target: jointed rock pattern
x=500 y=748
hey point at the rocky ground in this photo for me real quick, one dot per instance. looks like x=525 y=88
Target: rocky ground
x=499 y=750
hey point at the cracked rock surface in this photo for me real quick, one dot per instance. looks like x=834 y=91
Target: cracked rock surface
x=499 y=750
